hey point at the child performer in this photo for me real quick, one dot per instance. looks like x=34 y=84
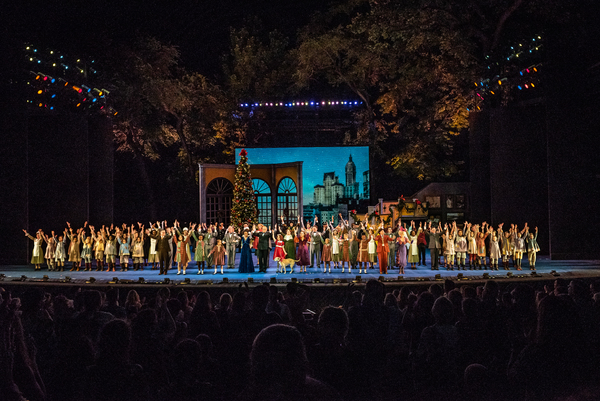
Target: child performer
x=495 y=252
x=50 y=251
x=460 y=247
x=354 y=244
x=279 y=253
x=303 y=254
x=74 y=253
x=334 y=240
x=152 y=254
x=99 y=243
x=37 y=257
x=138 y=251
x=181 y=256
x=61 y=251
x=326 y=255
x=218 y=253
x=532 y=248
x=481 y=253
x=345 y=252
x=110 y=250
x=471 y=244
x=124 y=241
x=372 y=248
x=86 y=251
x=519 y=241
x=200 y=252
x=391 y=240
x=505 y=246
x=449 y=251
x=363 y=254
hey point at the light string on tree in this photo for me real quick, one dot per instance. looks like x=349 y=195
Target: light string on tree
x=305 y=103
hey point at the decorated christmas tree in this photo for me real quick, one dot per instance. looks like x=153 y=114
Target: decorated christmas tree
x=243 y=209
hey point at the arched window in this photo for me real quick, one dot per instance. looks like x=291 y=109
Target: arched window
x=219 y=194
x=287 y=201
x=263 y=200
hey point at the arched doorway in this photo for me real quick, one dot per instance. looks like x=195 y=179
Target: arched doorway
x=219 y=194
x=263 y=201
x=287 y=201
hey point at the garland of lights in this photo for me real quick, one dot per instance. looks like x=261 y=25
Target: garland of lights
x=313 y=103
x=63 y=87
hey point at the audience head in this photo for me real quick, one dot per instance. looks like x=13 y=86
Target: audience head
x=443 y=311
x=333 y=323
x=115 y=340
x=374 y=292
x=92 y=300
x=390 y=300
x=260 y=297
x=436 y=290
x=225 y=301
x=186 y=359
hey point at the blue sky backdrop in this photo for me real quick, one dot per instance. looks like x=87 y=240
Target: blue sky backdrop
x=317 y=161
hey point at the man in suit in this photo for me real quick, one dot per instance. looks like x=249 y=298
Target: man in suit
x=434 y=247
x=231 y=240
x=163 y=250
x=262 y=248
x=316 y=240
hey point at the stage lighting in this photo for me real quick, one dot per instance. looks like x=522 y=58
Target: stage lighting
x=115 y=280
x=141 y=280
x=337 y=281
x=273 y=280
x=2 y=277
x=204 y=282
x=509 y=274
x=317 y=280
x=186 y=280
x=534 y=274
x=92 y=280
x=294 y=280
x=459 y=276
x=67 y=279
x=438 y=277
x=486 y=276
x=400 y=278
x=45 y=278
x=23 y=278
x=250 y=279
x=381 y=278
x=358 y=279
x=553 y=272
x=225 y=280
x=167 y=280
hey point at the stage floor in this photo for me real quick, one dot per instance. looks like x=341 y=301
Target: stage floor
x=580 y=268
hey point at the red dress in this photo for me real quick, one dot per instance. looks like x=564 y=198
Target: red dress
x=326 y=253
x=279 y=251
x=382 y=252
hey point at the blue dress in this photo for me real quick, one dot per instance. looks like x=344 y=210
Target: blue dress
x=246 y=263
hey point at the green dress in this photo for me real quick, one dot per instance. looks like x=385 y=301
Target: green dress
x=289 y=246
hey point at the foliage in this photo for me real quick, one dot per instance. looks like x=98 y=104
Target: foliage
x=243 y=208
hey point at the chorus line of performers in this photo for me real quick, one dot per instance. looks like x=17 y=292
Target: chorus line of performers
x=299 y=245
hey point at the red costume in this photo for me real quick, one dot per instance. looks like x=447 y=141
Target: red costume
x=279 y=251
x=382 y=252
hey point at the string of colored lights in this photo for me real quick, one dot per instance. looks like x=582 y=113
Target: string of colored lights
x=307 y=103
x=64 y=86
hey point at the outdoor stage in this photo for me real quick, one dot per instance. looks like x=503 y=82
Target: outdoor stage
x=546 y=269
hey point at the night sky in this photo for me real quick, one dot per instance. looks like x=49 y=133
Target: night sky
x=199 y=28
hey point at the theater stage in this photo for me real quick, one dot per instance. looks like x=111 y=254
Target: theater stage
x=546 y=269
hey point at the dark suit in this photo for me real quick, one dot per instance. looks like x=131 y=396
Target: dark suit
x=262 y=250
x=163 y=251
x=434 y=249
x=315 y=248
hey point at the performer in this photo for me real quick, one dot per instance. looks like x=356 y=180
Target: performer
x=382 y=248
x=110 y=250
x=345 y=252
x=61 y=253
x=449 y=238
x=391 y=238
x=334 y=241
x=363 y=253
x=99 y=240
x=262 y=252
x=532 y=247
x=86 y=251
x=186 y=238
x=434 y=247
x=316 y=241
x=481 y=252
x=218 y=254
x=354 y=245
x=372 y=247
x=460 y=246
x=181 y=256
x=413 y=250
x=279 y=253
x=37 y=257
x=519 y=241
x=163 y=250
x=231 y=240
x=246 y=263
x=505 y=247
x=401 y=241
x=74 y=253
x=289 y=240
x=200 y=252
x=152 y=254
x=495 y=252
x=50 y=254
x=124 y=240
x=326 y=255
x=303 y=254
x=471 y=244
x=421 y=246
x=138 y=250
x=210 y=238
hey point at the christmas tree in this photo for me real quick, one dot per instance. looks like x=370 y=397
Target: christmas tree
x=243 y=209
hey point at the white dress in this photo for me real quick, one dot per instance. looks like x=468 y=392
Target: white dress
x=495 y=250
